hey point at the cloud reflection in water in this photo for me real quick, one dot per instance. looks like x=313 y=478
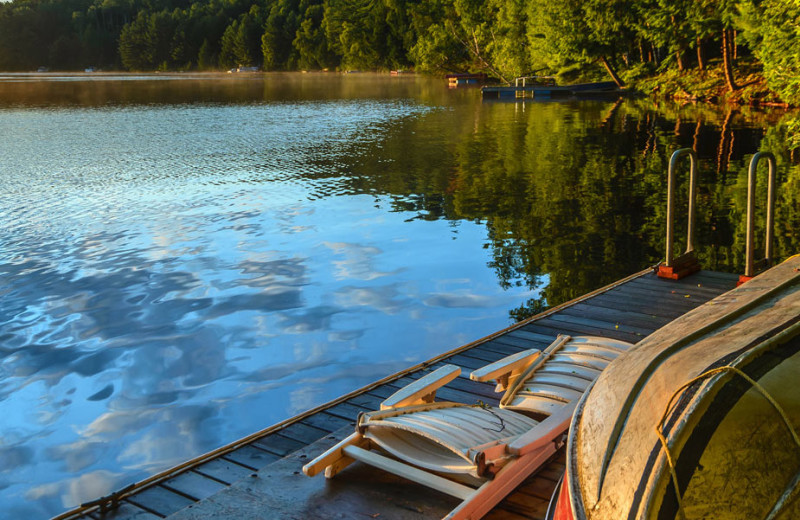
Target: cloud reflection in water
x=170 y=297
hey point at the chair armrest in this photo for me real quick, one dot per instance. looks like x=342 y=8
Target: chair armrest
x=506 y=369
x=334 y=456
x=544 y=432
x=422 y=390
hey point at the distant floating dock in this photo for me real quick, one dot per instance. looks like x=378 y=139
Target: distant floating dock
x=458 y=80
x=260 y=476
x=538 y=90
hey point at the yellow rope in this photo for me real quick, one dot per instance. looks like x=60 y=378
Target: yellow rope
x=704 y=375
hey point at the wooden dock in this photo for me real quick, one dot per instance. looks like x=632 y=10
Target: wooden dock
x=260 y=476
x=548 y=91
x=457 y=80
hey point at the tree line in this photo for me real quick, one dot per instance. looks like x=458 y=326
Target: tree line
x=505 y=38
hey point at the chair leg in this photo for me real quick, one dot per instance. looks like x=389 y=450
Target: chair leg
x=411 y=473
x=507 y=479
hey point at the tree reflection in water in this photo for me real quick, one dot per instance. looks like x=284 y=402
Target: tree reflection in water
x=573 y=194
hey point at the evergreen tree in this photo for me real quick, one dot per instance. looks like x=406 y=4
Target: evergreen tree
x=436 y=48
x=137 y=47
x=773 y=33
x=207 y=59
x=280 y=31
x=310 y=42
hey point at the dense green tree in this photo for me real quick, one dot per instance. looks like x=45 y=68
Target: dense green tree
x=562 y=34
x=16 y=36
x=227 y=53
x=247 y=44
x=207 y=59
x=509 y=43
x=436 y=48
x=505 y=38
x=610 y=25
x=773 y=33
x=400 y=35
x=137 y=44
x=470 y=35
x=162 y=31
x=667 y=24
x=146 y=42
x=351 y=27
x=279 y=33
x=721 y=17
x=310 y=42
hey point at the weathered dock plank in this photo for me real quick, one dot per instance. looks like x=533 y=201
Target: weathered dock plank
x=635 y=318
x=554 y=328
x=125 y=511
x=347 y=410
x=280 y=445
x=223 y=470
x=251 y=457
x=643 y=305
x=328 y=422
x=160 y=501
x=262 y=473
x=513 y=339
x=281 y=491
x=194 y=485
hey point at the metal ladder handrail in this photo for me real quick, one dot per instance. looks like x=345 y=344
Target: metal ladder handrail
x=671 y=201
x=749 y=270
x=525 y=78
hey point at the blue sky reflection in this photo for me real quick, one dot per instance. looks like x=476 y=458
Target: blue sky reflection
x=198 y=279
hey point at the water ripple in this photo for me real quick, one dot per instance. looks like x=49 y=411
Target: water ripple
x=168 y=268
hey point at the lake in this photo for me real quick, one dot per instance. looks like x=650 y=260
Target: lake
x=187 y=259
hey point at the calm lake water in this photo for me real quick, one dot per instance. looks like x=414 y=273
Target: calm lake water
x=187 y=259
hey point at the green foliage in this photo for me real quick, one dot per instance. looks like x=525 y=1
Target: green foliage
x=310 y=42
x=137 y=45
x=556 y=34
x=773 y=32
x=279 y=31
x=206 y=58
x=509 y=48
x=240 y=44
x=793 y=131
x=586 y=39
x=357 y=31
x=436 y=48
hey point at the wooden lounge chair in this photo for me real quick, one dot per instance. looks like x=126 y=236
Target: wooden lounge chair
x=477 y=453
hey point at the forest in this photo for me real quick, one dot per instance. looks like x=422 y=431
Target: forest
x=626 y=39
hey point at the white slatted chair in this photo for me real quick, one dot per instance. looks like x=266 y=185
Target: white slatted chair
x=477 y=453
